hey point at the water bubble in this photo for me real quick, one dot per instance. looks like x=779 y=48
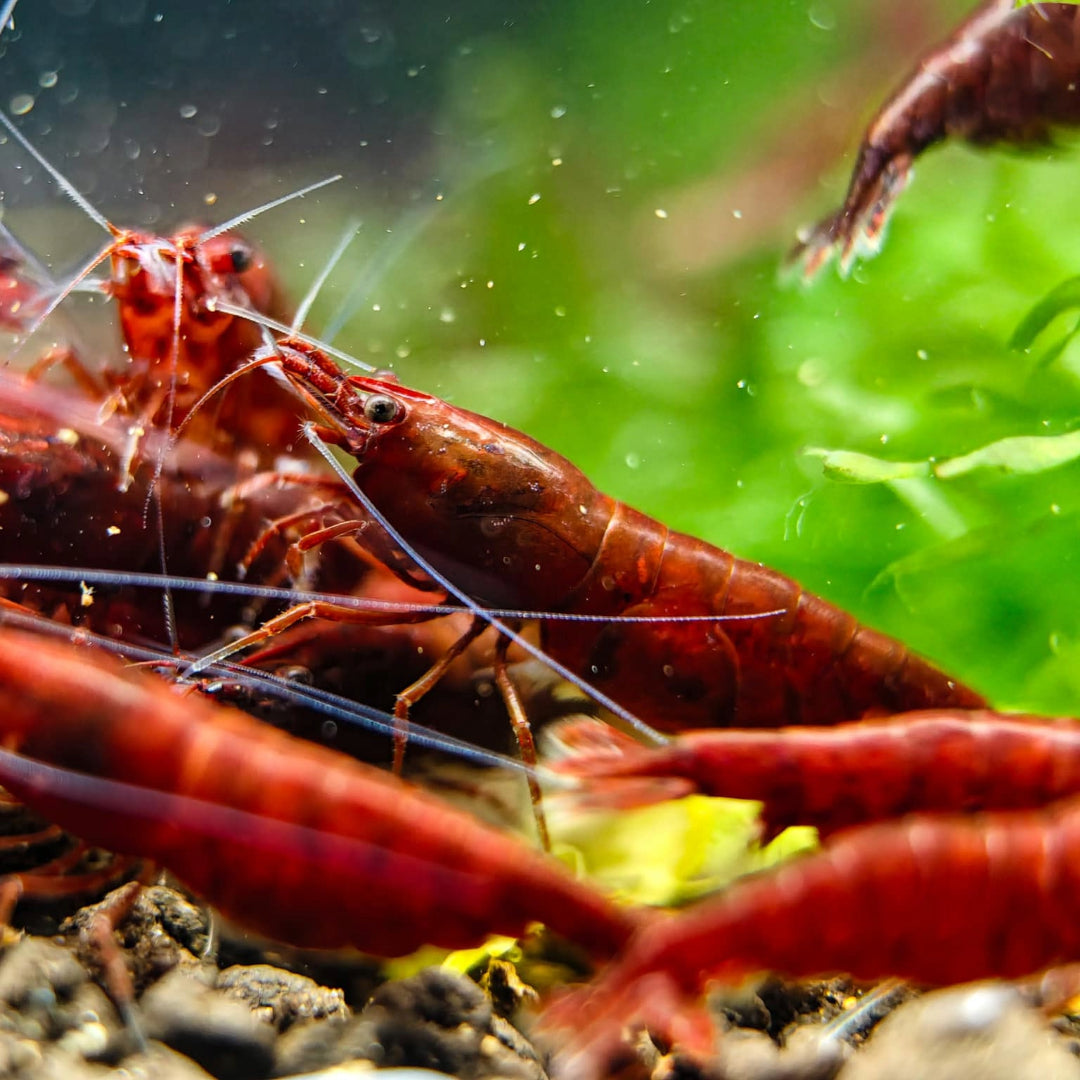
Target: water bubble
x=367 y=41
x=558 y=111
x=48 y=79
x=93 y=139
x=188 y=111
x=21 y=104
x=447 y=315
x=131 y=149
x=208 y=125
x=123 y=12
x=822 y=16
x=633 y=461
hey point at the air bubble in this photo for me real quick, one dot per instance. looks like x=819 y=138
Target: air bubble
x=21 y=104
x=822 y=16
x=188 y=111
x=367 y=42
x=124 y=12
x=48 y=79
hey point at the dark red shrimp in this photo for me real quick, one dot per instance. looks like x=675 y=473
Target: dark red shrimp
x=935 y=900
x=289 y=838
x=61 y=507
x=840 y=776
x=515 y=525
x=1006 y=74
x=62 y=504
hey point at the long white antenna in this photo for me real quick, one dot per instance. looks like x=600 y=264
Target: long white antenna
x=5 y=14
x=215 y=304
x=247 y=215
x=316 y=286
x=65 y=185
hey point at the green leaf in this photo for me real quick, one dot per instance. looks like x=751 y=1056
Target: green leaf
x=1019 y=455
x=1064 y=297
x=850 y=467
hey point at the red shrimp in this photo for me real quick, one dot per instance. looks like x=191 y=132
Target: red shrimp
x=291 y=839
x=25 y=288
x=935 y=900
x=178 y=342
x=1006 y=74
x=177 y=352
x=515 y=525
x=836 y=777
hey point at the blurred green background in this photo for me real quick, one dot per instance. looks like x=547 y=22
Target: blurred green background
x=573 y=217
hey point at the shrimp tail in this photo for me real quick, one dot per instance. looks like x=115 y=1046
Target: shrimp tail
x=857 y=229
x=658 y=1003
x=931 y=899
x=586 y=739
x=613 y=765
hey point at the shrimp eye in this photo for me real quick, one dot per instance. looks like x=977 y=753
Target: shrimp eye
x=234 y=259
x=241 y=259
x=383 y=409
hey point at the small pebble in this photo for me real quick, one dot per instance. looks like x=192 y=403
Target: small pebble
x=982 y=1032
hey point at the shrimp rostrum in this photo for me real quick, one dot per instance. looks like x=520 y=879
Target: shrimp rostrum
x=515 y=525
x=1006 y=74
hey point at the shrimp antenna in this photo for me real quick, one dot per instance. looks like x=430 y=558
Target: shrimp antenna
x=268 y=354
x=247 y=215
x=152 y=495
x=400 y=239
x=142 y=579
x=5 y=15
x=409 y=226
x=65 y=185
x=268 y=323
x=322 y=701
x=639 y=725
x=347 y=238
x=72 y=193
